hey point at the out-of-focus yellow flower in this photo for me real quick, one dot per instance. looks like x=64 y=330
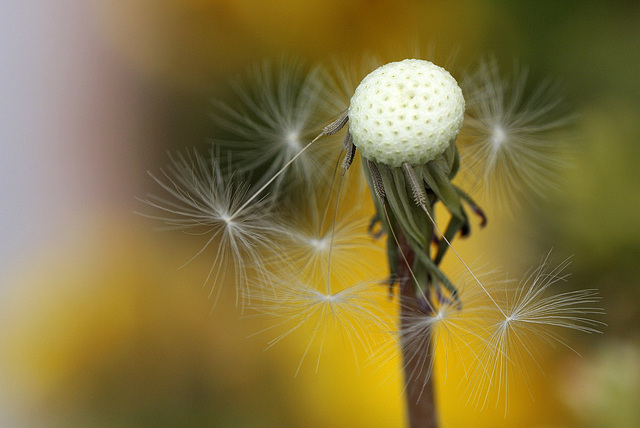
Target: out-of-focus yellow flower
x=109 y=332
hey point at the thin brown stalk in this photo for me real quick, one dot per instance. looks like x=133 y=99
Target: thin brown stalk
x=419 y=389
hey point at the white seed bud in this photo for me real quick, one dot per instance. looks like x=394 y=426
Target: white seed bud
x=406 y=111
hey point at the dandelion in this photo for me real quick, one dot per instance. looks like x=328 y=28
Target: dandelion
x=509 y=139
x=403 y=119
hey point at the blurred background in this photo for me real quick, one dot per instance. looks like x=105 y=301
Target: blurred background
x=99 y=327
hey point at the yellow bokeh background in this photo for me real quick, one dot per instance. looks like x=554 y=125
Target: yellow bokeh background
x=100 y=327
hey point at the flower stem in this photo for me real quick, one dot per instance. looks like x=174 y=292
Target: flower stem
x=419 y=390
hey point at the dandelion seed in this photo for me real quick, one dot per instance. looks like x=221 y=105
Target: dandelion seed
x=201 y=198
x=510 y=142
x=356 y=311
x=310 y=246
x=277 y=110
x=423 y=332
x=331 y=234
x=530 y=315
x=444 y=324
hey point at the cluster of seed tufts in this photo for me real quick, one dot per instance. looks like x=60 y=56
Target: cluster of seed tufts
x=408 y=111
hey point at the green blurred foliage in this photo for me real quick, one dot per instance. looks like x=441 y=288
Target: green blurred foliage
x=594 y=49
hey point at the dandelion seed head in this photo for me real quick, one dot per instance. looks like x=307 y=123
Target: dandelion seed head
x=301 y=264
x=407 y=111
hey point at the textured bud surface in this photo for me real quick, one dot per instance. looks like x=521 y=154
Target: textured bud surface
x=406 y=111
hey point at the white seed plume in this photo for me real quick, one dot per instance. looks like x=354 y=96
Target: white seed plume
x=203 y=199
x=450 y=326
x=326 y=235
x=510 y=145
x=530 y=315
x=407 y=111
x=312 y=246
x=277 y=109
x=355 y=311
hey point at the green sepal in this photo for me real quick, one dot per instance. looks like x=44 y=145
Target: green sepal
x=410 y=218
x=392 y=257
x=454 y=166
x=436 y=175
x=454 y=226
x=452 y=159
x=437 y=274
x=423 y=279
x=472 y=204
x=405 y=216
